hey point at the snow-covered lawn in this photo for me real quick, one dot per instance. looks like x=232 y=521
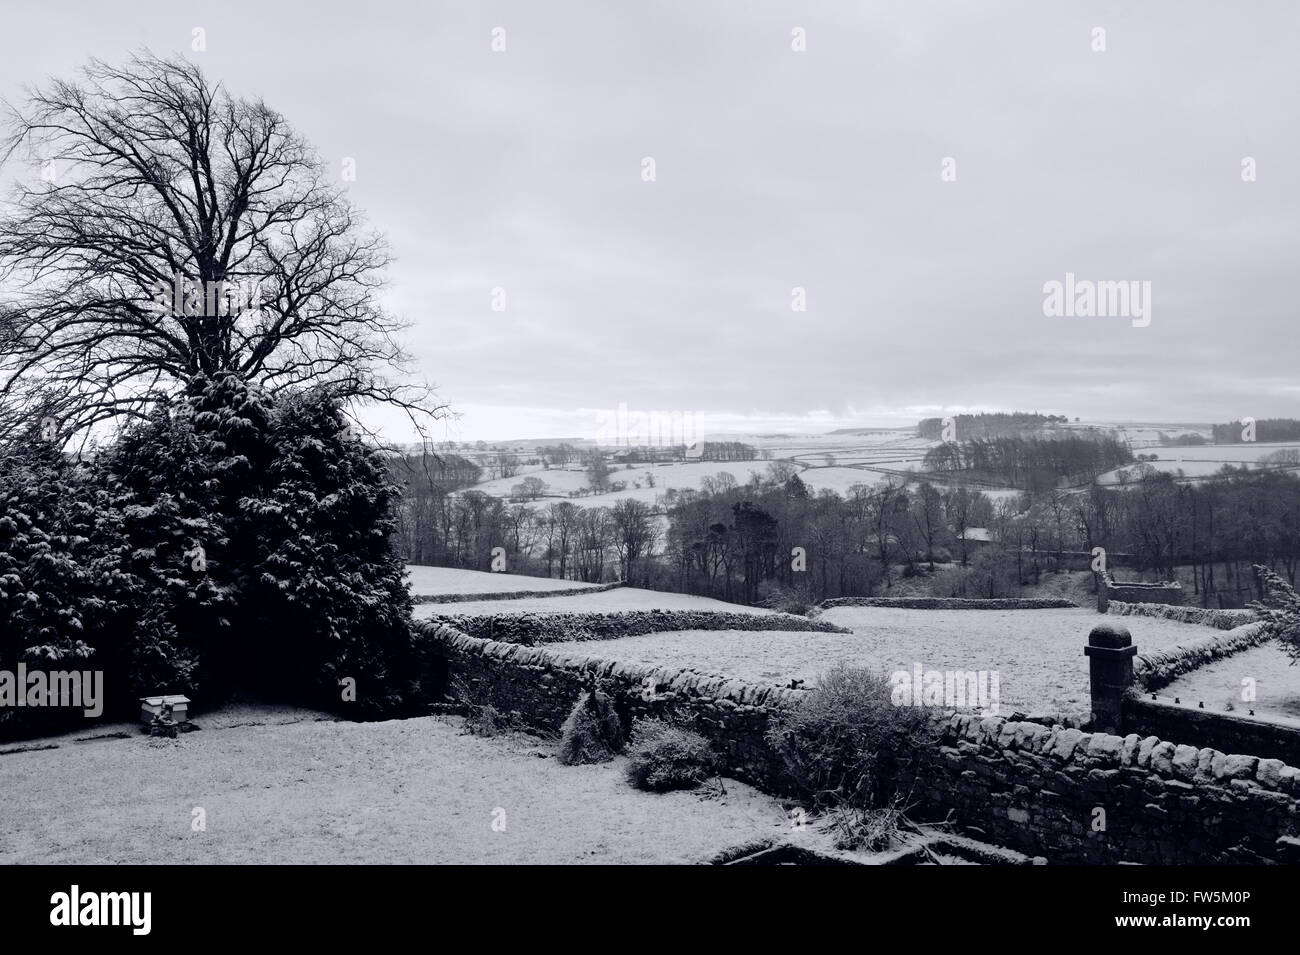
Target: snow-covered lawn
x=1038 y=654
x=410 y=791
x=1277 y=683
x=621 y=598
x=452 y=580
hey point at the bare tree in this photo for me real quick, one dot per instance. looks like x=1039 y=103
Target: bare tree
x=530 y=488
x=634 y=534
x=163 y=202
x=565 y=517
x=598 y=471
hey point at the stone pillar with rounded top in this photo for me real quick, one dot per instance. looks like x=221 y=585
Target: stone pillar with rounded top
x=1110 y=653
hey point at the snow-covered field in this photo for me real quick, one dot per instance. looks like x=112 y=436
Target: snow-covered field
x=838 y=479
x=1277 y=683
x=412 y=791
x=897 y=450
x=681 y=475
x=621 y=598
x=1038 y=654
x=1203 y=461
x=428 y=581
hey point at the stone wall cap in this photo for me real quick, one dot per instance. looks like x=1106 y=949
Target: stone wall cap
x=1109 y=635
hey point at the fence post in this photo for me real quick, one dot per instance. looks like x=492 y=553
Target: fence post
x=1110 y=653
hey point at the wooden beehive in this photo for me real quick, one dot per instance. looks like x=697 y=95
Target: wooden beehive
x=152 y=706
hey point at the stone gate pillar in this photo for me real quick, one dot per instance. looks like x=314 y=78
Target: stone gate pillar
x=1110 y=653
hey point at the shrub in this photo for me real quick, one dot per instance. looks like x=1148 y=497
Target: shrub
x=298 y=587
x=665 y=756
x=1279 y=611
x=157 y=660
x=846 y=745
x=234 y=540
x=794 y=600
x=992 y=573
x=59 y=543
x=65 y=601
x=323 y=588
x=484 y=719
x=872 y=830
x=592 y=733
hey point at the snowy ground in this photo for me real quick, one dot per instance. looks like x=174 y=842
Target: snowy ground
x=682 y=475
x=450 y=580
x=412 y=791
x=1203 y=461
x=621 y=598
x=838 y=479
x=1038 y=654
x=1277 y=683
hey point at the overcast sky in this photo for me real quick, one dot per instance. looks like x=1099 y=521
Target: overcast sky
x=778 y=169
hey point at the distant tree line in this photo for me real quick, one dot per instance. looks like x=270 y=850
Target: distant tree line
x=1028 y=462
x=443 y=470
x=1266 y=429
x=727 y=451
x=989 y=424
x=444 y=528
x=558 y=455
x=1211 y=531
x=738 y=541
x=704 y=451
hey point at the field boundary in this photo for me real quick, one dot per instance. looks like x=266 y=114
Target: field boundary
x=1037 y=789
x=1026 y=786
x=539 y=687
x=952 y=603
x=1120 y=679
x=530 y=629
x=514 y=594
x=1157 y=668
x=1204 y=616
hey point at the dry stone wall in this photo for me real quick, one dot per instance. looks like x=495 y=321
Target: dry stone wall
x=1024 y=785
x=535 y=628
x=1203 y=616
x=1046 y=791
x=952 y=603
x=1160 y=667
x=513 y=594
x=540 y=686
x=1277 y=739
x=1142 y=592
